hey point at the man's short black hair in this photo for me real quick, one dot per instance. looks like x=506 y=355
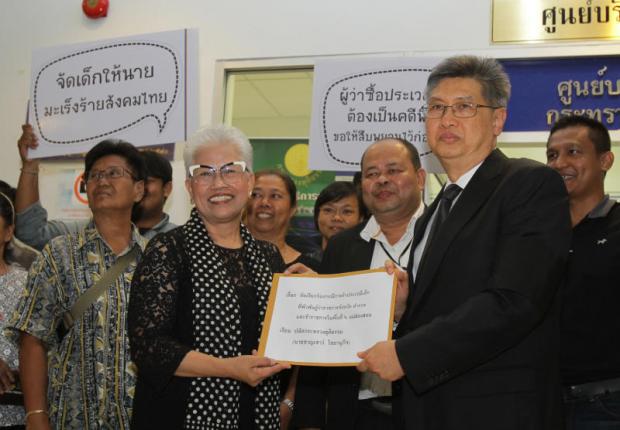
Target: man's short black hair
x=414 y=156
x=597 y=132
x=123 y=149
x=157 y=166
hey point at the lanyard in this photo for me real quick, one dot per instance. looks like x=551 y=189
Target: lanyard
x=399 y=257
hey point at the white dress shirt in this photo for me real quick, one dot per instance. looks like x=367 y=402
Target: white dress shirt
x=400 y=252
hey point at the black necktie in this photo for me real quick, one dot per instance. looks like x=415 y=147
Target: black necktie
x=443 y=209
x=447 y=198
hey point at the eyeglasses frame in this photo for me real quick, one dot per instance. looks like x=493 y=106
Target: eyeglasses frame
x=474 y=105
x=100 y=174
x=217 y=170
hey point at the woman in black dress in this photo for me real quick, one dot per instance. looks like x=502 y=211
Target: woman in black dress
x=198 y=300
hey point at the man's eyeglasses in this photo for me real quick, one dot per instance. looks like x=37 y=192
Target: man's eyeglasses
x=459 y=110
x=111 y=173
x=230 y=173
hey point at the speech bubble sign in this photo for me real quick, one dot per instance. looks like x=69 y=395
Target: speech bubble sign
x=93 y=93
x=357 y=102
x=372 y=112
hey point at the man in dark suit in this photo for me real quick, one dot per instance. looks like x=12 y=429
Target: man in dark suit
x=477 y=346
x=392 y=182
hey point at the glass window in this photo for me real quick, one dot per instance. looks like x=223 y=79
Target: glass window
x=270 y=103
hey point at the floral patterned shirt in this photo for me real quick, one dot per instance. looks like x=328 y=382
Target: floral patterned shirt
x=11 y=286
x=91 y=379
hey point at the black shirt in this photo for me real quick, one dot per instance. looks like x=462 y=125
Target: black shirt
x=590 y=336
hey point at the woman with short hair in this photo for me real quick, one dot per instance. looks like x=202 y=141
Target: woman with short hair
x=338 y=207
x=198 y=302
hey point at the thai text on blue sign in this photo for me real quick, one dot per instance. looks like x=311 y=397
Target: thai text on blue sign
x=544 y=90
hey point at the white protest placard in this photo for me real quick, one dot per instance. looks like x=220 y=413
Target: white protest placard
x=142 y=89
x=325 y=320
x=356 y=102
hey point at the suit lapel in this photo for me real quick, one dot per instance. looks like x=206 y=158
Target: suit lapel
x=349 y=255
x=419 y=229
x=366 y=249
x=476 y=193
x=418 y=233
x=362 y=250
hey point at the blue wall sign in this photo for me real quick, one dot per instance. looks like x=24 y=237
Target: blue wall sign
x=543 y=90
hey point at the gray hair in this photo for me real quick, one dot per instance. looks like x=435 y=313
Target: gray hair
x=486 y=71
x=217 y=135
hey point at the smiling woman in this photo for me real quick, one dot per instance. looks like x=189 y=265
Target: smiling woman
x=272 y=205
x=199 y=300
x=339 y=206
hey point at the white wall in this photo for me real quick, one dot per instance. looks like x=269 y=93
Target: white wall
x=239 y=29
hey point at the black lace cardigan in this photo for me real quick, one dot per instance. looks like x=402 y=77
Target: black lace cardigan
x=161 y=328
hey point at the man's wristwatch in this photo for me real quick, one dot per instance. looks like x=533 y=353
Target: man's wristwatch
x=289 y=403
